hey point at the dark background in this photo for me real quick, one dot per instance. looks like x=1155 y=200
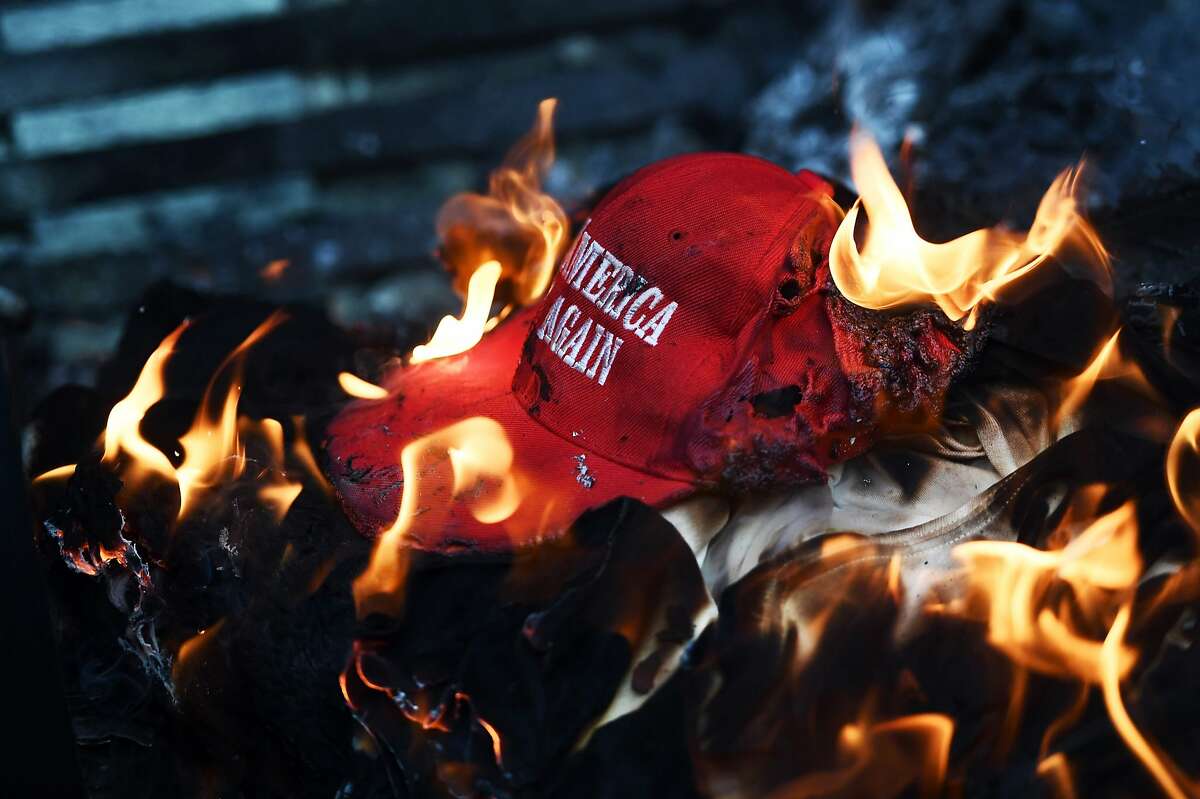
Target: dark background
x=200 y=141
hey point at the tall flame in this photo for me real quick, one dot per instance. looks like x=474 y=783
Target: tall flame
x=501 y=246
x=1154 y=761
x=468 y=462
x=212 y=451
x=896 y=267
x=122 y=434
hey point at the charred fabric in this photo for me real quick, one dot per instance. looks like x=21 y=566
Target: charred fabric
x=843 y=637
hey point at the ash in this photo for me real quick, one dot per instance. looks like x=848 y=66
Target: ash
x=583 y=475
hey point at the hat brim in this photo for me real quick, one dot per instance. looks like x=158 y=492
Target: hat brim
x=364 y=443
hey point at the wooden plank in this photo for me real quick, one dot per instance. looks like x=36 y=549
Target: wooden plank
x=481 y=120
x=177 y=112
x=358 y=34
x=350 y=230
x=77 y=22
x=130 y=224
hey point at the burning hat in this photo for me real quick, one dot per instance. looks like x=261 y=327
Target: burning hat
x=691 y=339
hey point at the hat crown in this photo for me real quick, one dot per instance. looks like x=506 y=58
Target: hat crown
x=658 y=326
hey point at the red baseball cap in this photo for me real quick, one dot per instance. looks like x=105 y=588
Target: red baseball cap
x=690 y=339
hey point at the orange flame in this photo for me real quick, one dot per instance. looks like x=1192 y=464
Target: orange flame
x=1037 y=626
x=896 y=267
x=479 y=458
x=212 y=451
x=495 y=736
x=1108 y=364
x=121 y=433
x=459 y=334
x=884 y=759
x=279 y=493
x=190 y=649
x=279 y=497
x=1056 y=770
x=503 y=245
x=935 y=732
x=1164 y=772
x=57 y=473
x=303 y=454
x=1182 y=469
x=1170 y=316
x=355 y=386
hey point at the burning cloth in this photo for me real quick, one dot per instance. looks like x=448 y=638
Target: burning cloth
x=691 y=340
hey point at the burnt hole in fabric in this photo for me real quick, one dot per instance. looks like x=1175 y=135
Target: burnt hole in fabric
x=777 y=403
x=352 y=473
x=805 y=254
x=787 y=296
x=789 y=289
x=528 y=348
x=635 y=285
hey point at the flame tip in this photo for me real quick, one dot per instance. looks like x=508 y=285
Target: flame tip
x=896 y=267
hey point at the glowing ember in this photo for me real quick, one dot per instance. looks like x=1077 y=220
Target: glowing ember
x=896 y=267
x=355 y=386
x=274 y=270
